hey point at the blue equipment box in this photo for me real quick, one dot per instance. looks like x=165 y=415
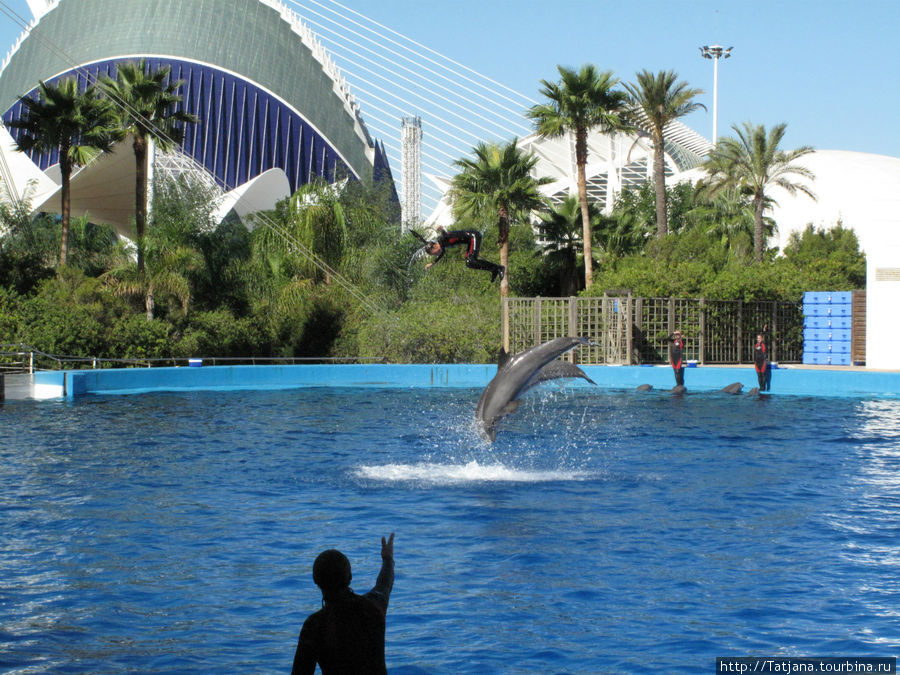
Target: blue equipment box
x=827 y=298
x=823 y=309
x=817 y=359
x=826 y=322
x=826 y=347
x=829 y=334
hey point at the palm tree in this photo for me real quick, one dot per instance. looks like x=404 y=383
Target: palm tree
x=79 y=125
x=580 y=102
x=497 y=182
x=727 y=216
x=146 y=102
x=561 y=230
x=753 y=164
x=660 y=100
x=309 y=227
x=165 y=275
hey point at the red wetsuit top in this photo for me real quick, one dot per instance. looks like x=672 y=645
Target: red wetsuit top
x=759 y=356
x=676 y=352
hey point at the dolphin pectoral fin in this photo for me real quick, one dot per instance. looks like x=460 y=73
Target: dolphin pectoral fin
x=511 y=407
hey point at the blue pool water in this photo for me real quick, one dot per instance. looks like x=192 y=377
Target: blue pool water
x=604 y=532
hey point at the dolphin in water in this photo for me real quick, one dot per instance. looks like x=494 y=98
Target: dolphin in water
x=733 y=388
x=518 y=373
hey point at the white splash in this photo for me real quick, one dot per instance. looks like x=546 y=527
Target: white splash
x=473 y=472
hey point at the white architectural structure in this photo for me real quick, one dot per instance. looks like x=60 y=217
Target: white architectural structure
x=255 y=114
x=615 y=161
x=862 y=191
x=411 y=170
x=882 y=305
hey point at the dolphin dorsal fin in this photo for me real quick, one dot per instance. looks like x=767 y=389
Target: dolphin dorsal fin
x=502 y=358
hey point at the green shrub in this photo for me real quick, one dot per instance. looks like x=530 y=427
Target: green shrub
x=218 y=333
x=133 y=337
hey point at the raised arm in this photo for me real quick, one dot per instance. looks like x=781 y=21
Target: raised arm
x=385 y=581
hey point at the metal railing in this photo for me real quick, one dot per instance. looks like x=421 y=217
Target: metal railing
x=629 y=330
x=16 y=358
x=22 y=358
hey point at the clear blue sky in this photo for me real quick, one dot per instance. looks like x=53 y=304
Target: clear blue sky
x=828 y=68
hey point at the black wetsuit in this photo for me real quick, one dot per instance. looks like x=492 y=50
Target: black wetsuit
x=761 y=363
x=676 y=358
x=346 y=636
x=471 y=239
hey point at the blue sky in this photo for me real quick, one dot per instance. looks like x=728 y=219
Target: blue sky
x=827 y=68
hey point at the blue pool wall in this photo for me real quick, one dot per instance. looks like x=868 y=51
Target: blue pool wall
x=794 y=381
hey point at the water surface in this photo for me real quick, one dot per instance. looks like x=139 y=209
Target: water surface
x=603 y=532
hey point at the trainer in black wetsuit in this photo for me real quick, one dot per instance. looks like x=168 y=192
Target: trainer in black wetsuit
x=471 y=239
x=676 y=357
x=761 y=359
x=346 y=636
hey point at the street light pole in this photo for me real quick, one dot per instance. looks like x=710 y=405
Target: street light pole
x=715 y=52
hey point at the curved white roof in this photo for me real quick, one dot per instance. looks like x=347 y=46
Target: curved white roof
x=861 y=190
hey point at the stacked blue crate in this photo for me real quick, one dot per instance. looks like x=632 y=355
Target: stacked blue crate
x=826 y=327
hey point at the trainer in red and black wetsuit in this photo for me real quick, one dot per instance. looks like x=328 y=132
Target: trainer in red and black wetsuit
x=471 y=239
x=676 y=357
x=761 y=359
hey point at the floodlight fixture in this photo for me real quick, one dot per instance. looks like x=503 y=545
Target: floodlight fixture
x=714 y=53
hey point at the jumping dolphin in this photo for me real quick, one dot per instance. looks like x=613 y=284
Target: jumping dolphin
x=517 y=374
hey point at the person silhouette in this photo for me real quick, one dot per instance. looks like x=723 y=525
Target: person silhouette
x=347 y=634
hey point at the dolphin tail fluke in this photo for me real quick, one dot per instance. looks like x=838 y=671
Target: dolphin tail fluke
x=560 y=369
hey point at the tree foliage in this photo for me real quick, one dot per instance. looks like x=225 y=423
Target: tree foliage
x=328 y=271
x=78 y=125
x=580 y=102
x=753 y=164
x=497 y=185
x=659 y=99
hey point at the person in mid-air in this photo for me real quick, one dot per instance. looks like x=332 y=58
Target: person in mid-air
x=471 y=239
x=761 y=359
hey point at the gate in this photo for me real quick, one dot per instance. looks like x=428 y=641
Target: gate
x=630 y=330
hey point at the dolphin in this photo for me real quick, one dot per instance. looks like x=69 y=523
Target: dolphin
x=733 y=388
x=518 y=373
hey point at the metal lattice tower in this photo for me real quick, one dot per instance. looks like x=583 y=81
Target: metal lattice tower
x=411 y=171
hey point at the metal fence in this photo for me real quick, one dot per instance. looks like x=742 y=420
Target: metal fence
x=22 y=358
x=631 y=330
